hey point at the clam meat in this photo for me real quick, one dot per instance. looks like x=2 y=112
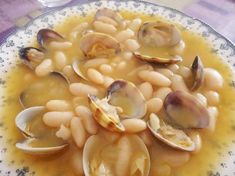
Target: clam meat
x=159 y=34
x=99 y=45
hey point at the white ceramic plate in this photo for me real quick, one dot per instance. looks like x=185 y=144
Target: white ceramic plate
x=24 y=37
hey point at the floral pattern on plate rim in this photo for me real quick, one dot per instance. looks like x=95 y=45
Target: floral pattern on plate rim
x=24 y=37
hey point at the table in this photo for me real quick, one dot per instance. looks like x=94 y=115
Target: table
x=220 y=14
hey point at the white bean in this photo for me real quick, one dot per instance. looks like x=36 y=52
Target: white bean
x=212 y=79
x=173 y=67
x=201 y=98
x=124 y=155
x=213 y=112
x=86 y=115
x=95 y=62
x=68 y=71
x=55 y=118
x=124 y=35
x=80 y=89
x=132 y=44
x=122 y=65
x=104 y=27
x=178 y=83
x=212 y=97
x=54 y=45
x=166 y=72
x=135 y=24
x=154 y=78
x=134 y=125
x=78 y=131
x=77 y=162
x=58 y=105
x=105 y=69
x=81 y=27
x=185 y=72
x=127 y=55
x=60 y=59
x=95 y=76
x=108 y=81
x=44 y=68
x=107 y=20
x=63 y=132
x=146 y=89
x=179 y=48
x=154 y=105
x=162 y=92
x=140 y=68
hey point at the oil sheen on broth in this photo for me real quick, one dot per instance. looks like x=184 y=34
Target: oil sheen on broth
x=62 y=164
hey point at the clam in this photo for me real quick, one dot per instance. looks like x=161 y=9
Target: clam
x=158 y=60
x=98 y=44
x=197 y=72
x=184 y=110
x=126 y=95
x=159 y=34
x=30 y=145
x=25 y=116
x=25 y=147
x=31 y=56
x=100 y=156
x=113 y=15
x=77 y=69
x=169 y=135
x=46 y=35
x=53 y=86
x=105 y=114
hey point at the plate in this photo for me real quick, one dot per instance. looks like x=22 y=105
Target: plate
x=25 y=37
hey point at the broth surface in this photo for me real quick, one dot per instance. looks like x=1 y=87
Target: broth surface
x=213 y=145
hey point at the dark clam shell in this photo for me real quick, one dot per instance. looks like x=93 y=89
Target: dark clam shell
x=45 y=35
x=198 y=73
x=184 y=110
x=30 y=56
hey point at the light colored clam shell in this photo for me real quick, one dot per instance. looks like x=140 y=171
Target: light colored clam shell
x=94 y=142
x=90 y=41
x=76 y=67
x=26 y=115
x=168 y=142
x=39 y=150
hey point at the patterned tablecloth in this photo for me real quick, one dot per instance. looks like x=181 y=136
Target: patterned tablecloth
x=220 y=14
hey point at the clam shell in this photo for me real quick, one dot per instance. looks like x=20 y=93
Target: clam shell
x=104 y=119
x=185 y=110
x=198 y=73
x=25 y=147
x=99 y=45
x=158 y=60
x=76 y=67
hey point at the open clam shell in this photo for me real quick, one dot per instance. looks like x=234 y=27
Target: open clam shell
x=46 y=35
x=25 y=116
x=96 y=145
x=167 y=134
x=98 y=44
x=105 y=114
x=158 y=60
x=122 y=93
x=27 y=148
x=31 y=56
x=77 y=69
x=159 y=34
x=198 y=73
x=185 y=110
x=53 y=86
